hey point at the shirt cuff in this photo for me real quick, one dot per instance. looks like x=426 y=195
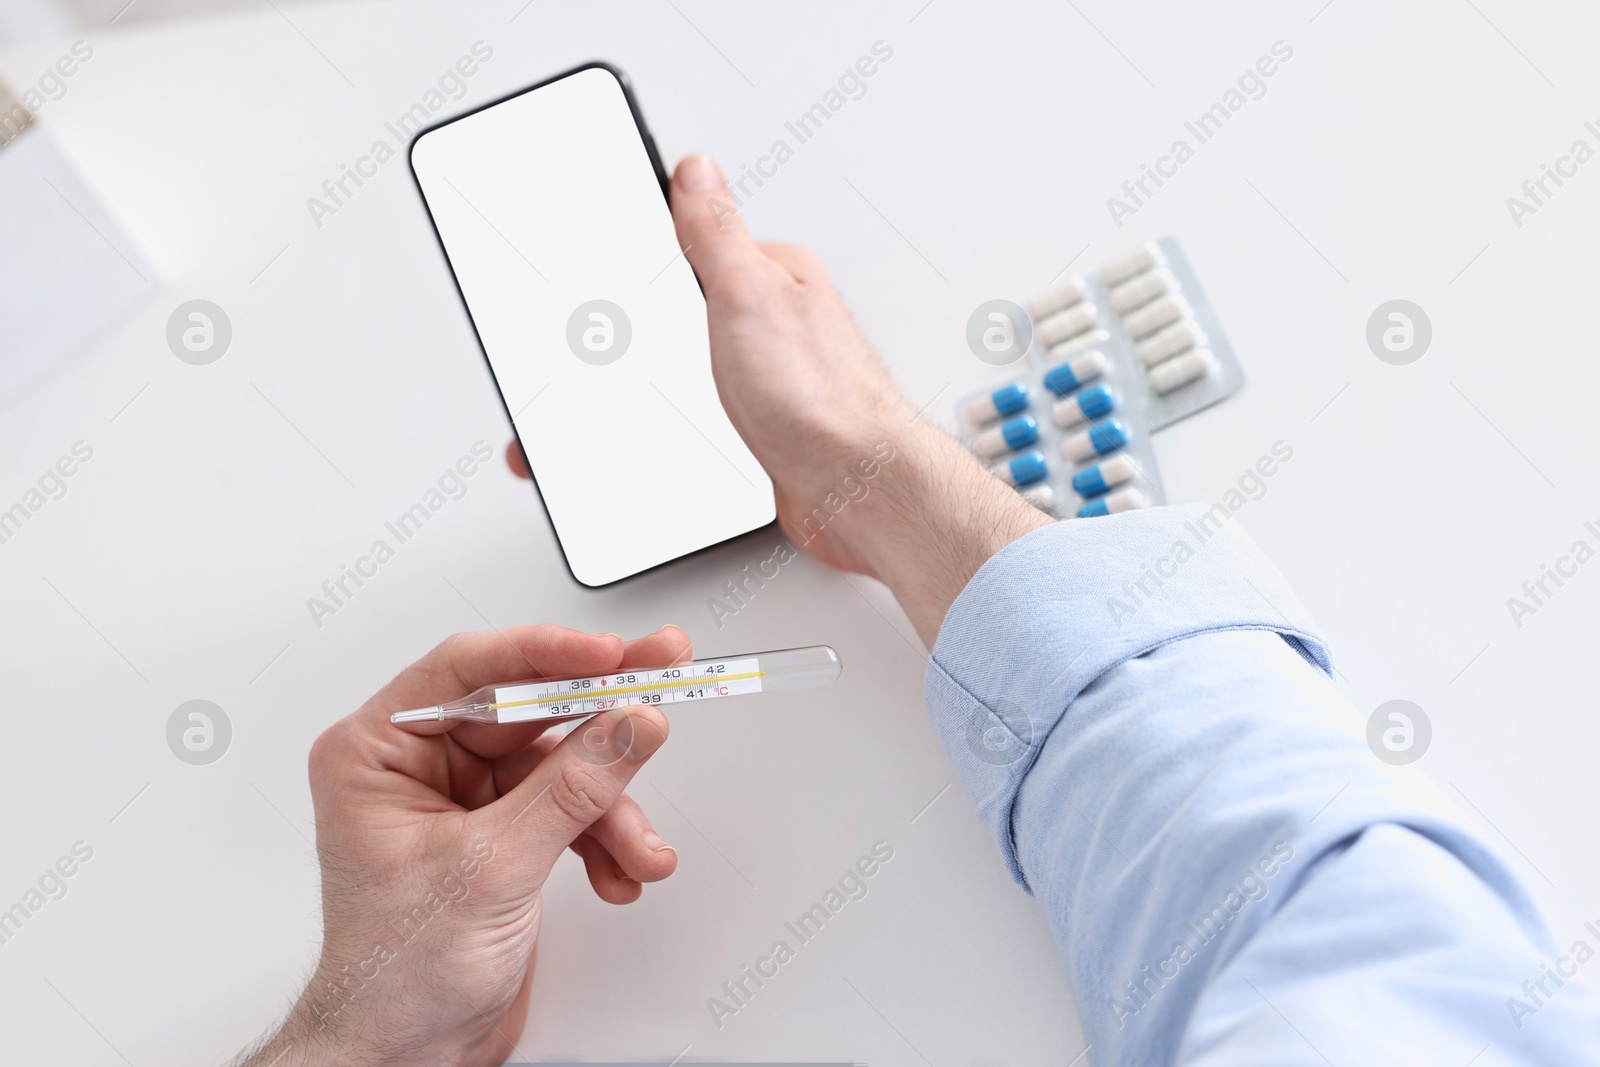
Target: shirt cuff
x=1051 y=613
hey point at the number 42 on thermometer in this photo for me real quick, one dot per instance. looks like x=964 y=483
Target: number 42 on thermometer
x=547 y=699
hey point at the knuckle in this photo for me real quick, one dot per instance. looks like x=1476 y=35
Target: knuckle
x=805 y=258
x=577 y=794
x=436 y=659
x=442 y=660
x=445 y=650
x=744 y=292
x=326 y=756
x=800 y=260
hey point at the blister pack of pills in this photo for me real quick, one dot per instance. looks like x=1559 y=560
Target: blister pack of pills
x=1156 y=303
x=1107 y=360
x=1063 y=431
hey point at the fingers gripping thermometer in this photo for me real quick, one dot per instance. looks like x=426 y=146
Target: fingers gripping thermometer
x=550 y=699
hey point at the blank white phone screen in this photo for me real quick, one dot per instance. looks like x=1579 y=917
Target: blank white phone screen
x=553 y=221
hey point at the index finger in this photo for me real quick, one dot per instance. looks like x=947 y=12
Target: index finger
x=664 y=648
x=464 y=662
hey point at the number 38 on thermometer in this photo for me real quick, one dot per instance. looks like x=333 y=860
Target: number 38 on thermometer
x=567 y=698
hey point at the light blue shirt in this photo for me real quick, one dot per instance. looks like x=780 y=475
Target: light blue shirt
x=1142 y=712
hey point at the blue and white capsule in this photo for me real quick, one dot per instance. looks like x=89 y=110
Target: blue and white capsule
x=1013 y=435
x=1076 y=372
x=1040 y=496
x=1006 y=400
x=1096 y=440
x=1022 y=470
x=1095 y=402
x=1107 y=474
x=1128 y=498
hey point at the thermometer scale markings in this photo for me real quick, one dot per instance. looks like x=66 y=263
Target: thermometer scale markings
x=546 y=700
x=559 y=698
x=671 y=683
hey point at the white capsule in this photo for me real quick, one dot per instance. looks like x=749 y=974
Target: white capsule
x=1066 y=323
x=1140 y=259
x=1156 y=314
x=1062 y=294
x=1077 y=344
x=1181 y=370
x=1040 y=496
x=1179 y=337
x=1142 y=289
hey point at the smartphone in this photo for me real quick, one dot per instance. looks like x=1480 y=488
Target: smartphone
x=551 y=208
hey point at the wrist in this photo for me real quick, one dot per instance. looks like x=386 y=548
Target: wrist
x=301 y=1040
x=933 y=518
x=326 y=1031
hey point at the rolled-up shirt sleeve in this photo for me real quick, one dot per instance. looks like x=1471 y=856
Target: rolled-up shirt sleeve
x=1144 y=716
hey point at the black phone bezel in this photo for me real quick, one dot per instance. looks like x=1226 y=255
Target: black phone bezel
x=665 y=182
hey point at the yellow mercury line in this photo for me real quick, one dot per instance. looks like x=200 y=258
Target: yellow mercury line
x=580 y=695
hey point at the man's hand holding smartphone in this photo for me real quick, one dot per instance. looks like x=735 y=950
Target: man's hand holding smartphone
x=812 y=401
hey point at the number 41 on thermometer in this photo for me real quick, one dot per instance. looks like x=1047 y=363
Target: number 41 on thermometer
x=546 y=699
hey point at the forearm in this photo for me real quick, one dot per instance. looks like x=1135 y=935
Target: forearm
x=300 y=1042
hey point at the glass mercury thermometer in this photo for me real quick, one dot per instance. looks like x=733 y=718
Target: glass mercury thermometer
x=547 y=699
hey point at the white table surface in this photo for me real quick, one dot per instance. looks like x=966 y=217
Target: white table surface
x=178 y=565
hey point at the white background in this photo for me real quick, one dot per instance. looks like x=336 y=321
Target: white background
x=177 y=567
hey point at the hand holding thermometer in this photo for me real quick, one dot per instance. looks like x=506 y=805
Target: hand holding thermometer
x=553 y=699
